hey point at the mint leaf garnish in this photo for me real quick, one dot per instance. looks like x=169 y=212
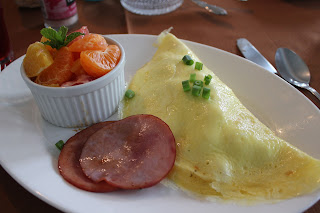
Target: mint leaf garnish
x=63 y=31
x=58 y=39
x=49 y=33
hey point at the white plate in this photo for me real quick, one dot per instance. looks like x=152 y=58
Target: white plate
x=29 y=155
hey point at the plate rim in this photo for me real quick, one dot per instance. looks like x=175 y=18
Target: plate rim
x=54 y=204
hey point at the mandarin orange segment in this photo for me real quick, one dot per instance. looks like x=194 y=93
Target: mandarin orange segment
x=98 y=63
x=89 y=42
x=77 y=68
x=37 y=59
x=76 y=55
x=58 y=72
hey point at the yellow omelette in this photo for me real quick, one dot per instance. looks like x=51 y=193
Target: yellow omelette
x=223 y=150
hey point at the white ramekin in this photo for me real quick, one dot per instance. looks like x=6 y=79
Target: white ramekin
x=84 y=104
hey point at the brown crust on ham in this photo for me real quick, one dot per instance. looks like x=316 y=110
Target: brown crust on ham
x=136 y=152
x=69 y=166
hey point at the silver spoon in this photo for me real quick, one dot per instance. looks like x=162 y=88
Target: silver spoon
x=293 y=69
x=211 y=8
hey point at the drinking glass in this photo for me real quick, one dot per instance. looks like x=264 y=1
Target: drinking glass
x=151 y=7
x=6 y=53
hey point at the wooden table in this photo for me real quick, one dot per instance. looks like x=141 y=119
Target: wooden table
x=267 y=24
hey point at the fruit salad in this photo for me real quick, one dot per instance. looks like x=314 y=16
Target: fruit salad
x=61 y=60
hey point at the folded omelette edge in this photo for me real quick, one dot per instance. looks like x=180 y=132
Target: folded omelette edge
x=223 y=150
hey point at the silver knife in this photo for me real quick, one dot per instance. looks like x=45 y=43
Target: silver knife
x=252 y=54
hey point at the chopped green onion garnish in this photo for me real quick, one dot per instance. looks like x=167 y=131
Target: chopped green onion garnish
x=60 y=144
x=186 y=86
x=192 y=77
x=196 y=90
x=207 y=79
x=187 y=60
x=206 y=93
x=198 y=66
x=129 y=94
x=198 y=83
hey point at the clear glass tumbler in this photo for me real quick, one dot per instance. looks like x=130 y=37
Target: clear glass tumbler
x=151 y=7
